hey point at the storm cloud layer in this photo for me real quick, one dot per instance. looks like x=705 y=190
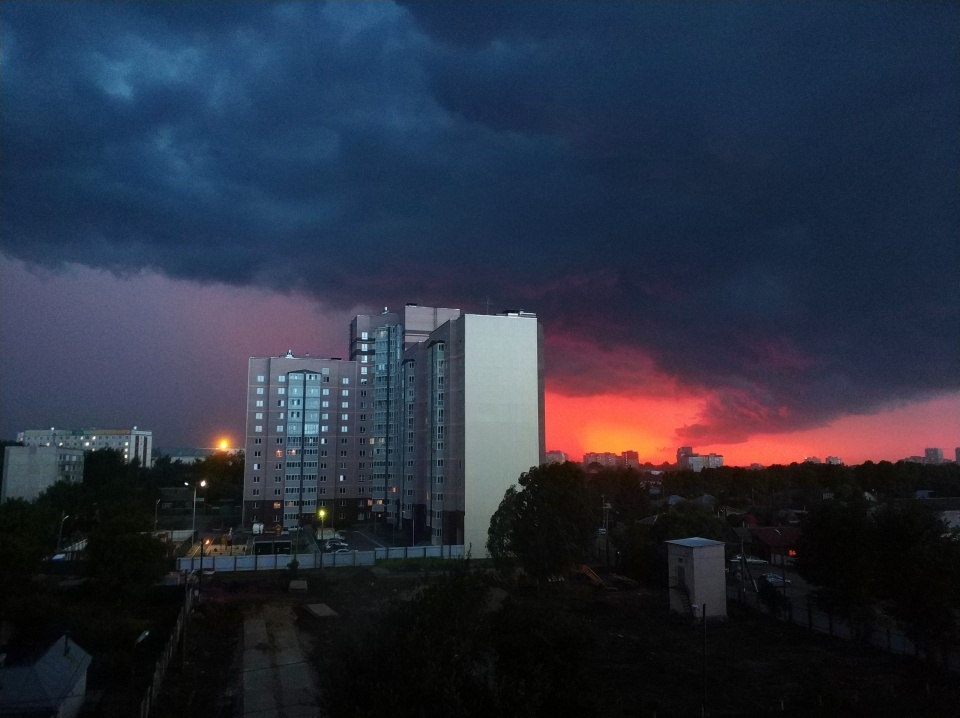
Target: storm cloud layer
x=753 y=203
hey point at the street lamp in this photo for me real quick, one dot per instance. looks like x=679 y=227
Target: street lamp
x=202 y=485
x=321 y=513
x=200 y=582
x=60 y=535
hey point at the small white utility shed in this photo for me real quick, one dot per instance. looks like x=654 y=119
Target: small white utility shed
x=696 y=573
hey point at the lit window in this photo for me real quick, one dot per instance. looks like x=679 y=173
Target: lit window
x=258 y=428
x=260 y=377
x=259 y=389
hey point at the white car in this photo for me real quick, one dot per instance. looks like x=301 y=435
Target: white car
x=750 y=559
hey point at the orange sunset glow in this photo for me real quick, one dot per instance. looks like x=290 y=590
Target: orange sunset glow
x=647 y=425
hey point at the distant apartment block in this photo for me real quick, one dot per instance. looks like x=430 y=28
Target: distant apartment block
x=933 y=456
x=835 y=460
x=28 y=471
x=431 y=418
x=688 y=460
x=606 y=459
x=135 y=444
x=609 y=459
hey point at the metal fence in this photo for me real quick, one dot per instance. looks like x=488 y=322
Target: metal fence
x=802 y=612
x=160 y=671
x=306 y=561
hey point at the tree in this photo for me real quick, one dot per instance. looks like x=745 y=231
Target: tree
x=643 y=547
x=548 y=523
x=123 y=557
x=451 y=651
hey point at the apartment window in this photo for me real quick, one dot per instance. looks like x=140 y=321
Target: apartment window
x=281 y=390
x=324 y=429
x=282 y=377
x=344 y=429
x=258 y=428
x=259 y=403
x=258 y=415
x=279 y=428
x=344 y=417
x=280 y=402
x=257 y=452
x=258 y=441
x=256 y=479
x=259 y=389
x=346 y=380
x=279 y=439
x=256 y=492
x=256 y=467
x=278 y=492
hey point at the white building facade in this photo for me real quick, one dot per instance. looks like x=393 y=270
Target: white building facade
x=442 y=413
x=135 y=444
x=28 y=471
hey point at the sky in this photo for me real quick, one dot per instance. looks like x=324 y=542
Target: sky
x=737 y=222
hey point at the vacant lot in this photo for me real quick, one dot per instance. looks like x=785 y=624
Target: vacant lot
x=644 y=663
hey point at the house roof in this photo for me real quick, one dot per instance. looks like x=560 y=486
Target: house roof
x=775 y=537
x=45 y=682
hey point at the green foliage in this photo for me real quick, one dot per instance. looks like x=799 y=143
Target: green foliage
x=548 y=523
x=28 y=533
x=122 y=557
x=451 y=652
x=642 y=546
x=899 y=555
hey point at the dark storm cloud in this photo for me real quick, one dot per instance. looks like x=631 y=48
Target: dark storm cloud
x=759 y=200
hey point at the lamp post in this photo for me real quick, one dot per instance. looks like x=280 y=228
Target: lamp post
x=321 y=513
x=201 y=485
x=156 y=513
x=200 y=582
x=60 y=534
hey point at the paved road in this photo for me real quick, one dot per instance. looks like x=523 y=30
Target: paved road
x=278 y=680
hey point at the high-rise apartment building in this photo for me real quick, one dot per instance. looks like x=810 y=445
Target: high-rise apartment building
x=135 y=444
x=424 y=427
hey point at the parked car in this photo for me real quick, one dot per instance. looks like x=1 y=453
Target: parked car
x=334 y=545
x=342 y=550
x=750 y=559
x=775 y=579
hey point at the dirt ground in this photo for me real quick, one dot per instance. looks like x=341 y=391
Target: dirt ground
x=644 y=662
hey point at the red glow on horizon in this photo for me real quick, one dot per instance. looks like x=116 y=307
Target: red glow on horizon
x=648 y=426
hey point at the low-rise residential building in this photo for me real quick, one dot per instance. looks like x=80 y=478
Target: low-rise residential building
x=28 y=471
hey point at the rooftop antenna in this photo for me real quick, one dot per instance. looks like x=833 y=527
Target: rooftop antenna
x=488 y=303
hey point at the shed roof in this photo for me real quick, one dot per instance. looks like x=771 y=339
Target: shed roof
x=46 y=682
x=695 y=542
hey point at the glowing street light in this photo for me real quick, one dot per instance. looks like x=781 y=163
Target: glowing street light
x=321 y=513
x=202 y=485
